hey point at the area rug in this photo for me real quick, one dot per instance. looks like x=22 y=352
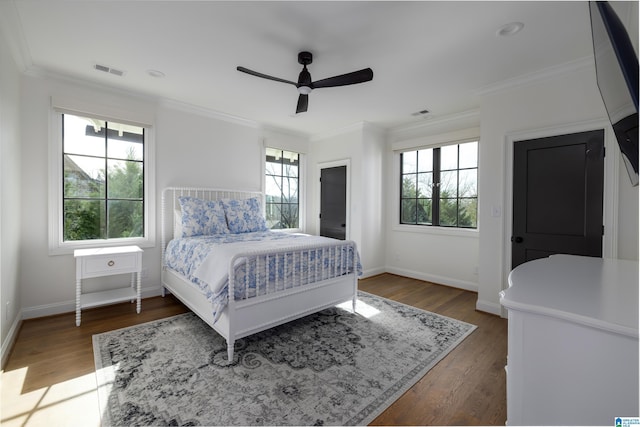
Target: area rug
x=330 y=368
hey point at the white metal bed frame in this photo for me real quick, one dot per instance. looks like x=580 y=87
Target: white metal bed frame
x=242 y=318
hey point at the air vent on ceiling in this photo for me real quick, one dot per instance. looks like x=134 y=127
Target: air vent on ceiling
x=110 y=70
x=421 y=113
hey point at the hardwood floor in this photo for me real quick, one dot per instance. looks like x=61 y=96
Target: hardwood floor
x=49 y=376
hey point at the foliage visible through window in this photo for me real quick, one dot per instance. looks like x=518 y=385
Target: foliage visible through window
x=281 y=189
x=439 y=186
x=103 y=196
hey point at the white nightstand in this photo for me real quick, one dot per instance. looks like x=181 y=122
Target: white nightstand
x=100 y=262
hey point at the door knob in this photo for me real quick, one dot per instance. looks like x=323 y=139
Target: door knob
x=517 y=239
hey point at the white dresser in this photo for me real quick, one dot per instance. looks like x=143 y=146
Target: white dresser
x=573 y=341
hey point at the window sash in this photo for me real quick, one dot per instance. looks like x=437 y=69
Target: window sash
x=107 y=203
x=282 y=189
x=445 y=194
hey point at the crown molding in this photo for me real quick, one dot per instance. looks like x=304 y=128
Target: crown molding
x=586 y=62
x=361 y=126
x=207 y=112
x=288 y=132
x=11 y=30
x=464 y=119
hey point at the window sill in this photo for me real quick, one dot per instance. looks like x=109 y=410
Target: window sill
x=440 y=231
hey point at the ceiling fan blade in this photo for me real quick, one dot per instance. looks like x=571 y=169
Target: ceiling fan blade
x=359 y=76
x=265 y=76
x=303 y=103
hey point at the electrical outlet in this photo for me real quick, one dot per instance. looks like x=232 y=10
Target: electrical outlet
x=6 y=312
x=144 y=274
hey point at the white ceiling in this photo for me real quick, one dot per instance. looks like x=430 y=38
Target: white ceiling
x=424 y=54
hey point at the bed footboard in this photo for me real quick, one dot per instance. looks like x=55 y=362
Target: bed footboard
x=275 y=287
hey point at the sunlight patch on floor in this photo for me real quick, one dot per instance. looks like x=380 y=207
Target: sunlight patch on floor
x=70 y=403
x=362 y=308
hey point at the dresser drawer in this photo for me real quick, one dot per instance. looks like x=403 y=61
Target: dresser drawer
x=109 y=264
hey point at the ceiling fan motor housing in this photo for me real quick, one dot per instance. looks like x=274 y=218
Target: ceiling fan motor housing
x=305 y=58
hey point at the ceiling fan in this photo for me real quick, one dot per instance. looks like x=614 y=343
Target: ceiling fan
x=305 y=85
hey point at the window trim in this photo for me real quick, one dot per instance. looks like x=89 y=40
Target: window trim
x=57 y=246
x=397 y=184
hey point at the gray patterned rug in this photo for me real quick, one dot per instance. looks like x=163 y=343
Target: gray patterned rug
x=330 y=368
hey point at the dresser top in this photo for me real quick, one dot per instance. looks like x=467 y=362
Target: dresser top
x=596 y=292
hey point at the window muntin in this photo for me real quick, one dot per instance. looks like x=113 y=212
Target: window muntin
x=282 y=179
x=439 y=186
x=103 y=179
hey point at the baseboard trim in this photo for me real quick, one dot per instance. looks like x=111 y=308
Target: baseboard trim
x=7 y=344
x=372 y=272
x=441 y=280
x=148 y=292
x=489 y=307
x=70 y=306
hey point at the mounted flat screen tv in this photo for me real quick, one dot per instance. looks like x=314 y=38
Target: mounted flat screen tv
x=617 y=76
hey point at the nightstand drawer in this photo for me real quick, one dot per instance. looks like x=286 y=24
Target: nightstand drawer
x=109 y=264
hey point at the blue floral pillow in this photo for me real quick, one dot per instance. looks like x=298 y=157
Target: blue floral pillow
x=202 y=217
x=244 y=216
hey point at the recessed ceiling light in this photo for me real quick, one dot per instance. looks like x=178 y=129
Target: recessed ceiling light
x=155 y=73
x=510 y=29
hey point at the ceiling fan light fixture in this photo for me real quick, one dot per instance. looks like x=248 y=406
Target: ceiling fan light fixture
x=304 y=90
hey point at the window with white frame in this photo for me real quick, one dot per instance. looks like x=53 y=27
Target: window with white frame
x=100 y=185
x=282 y=190
x=439 y=186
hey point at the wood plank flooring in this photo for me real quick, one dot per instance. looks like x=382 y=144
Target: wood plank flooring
x=49 y=376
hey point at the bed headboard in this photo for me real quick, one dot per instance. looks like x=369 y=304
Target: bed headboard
x=170 y=204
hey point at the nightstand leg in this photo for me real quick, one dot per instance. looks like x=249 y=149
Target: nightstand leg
x=78 y=288
x=138 y=305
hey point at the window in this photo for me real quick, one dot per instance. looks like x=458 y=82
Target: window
x=282 y=205
x=439 y=186
x=101 y=186
x=103 y=179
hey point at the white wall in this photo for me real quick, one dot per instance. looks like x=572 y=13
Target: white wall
x=439 y=255
x=568 y=102
x=10 y=301
x=362 y=145
x=373 y=217
x=192 y=148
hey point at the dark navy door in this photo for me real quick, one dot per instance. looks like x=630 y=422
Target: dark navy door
x=333 y=202
x=558 y=187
